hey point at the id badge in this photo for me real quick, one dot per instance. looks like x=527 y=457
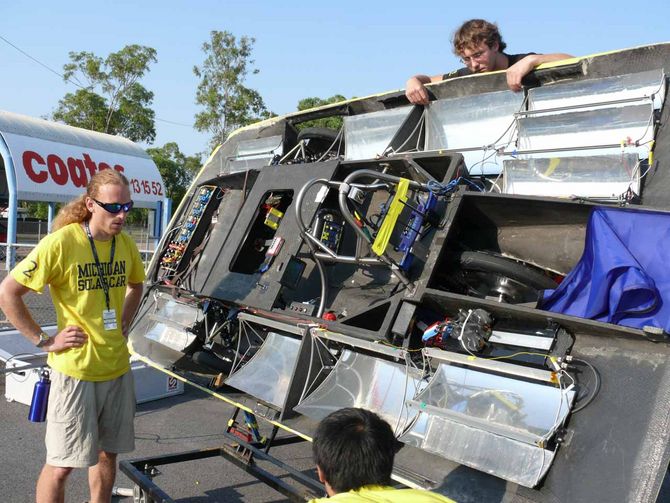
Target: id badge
x=109 y=319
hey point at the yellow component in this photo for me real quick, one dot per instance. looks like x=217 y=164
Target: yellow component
x=215 y=394
x=553 y=164
x=504 y=400
x=386 y=229
x=273 y=218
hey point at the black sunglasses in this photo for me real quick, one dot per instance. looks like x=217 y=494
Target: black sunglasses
x=115 y=207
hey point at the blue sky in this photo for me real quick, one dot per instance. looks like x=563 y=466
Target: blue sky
x=303 y=48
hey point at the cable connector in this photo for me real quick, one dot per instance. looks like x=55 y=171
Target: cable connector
x=555 y=363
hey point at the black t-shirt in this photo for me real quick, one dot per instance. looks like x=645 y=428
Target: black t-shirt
x=512 y=58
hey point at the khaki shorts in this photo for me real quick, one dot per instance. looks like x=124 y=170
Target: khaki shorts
x=86 y=417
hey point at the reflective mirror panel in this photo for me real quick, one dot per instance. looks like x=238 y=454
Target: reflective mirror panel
x=598 y=176
x=590 y=128
x=267 y=374
x=494 y=423
x=254 y=154
x=162 y=334
x=619 y=87
x=518 y=462
x=363 y=381
x=527 y=411
x=366 y=136
x=473 y=122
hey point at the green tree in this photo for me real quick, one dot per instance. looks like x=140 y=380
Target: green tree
x=227 y=103
x=36 y=210
x=334 y=122
x=112 y=99
x=176 y=169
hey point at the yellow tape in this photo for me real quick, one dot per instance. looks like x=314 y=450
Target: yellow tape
x=553 y=164
x=395 y=208
x=218 y=395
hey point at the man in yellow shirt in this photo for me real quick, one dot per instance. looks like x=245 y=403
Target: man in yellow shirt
x=95 y=274
x=354 y=451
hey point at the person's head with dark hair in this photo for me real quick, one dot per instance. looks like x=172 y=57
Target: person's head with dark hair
x=354 y=448
x=475 y=31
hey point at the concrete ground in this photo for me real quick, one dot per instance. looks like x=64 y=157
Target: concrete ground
x=180 y=423
x=194 y=420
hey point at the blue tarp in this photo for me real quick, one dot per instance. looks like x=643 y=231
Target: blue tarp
x=623 y=276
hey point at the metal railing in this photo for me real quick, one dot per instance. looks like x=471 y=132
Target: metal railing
x=34 y=231
x=21 y=251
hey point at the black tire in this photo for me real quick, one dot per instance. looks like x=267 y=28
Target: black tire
x=321 y=133
x=490 y=262
x=487 y=274
x=320 y=139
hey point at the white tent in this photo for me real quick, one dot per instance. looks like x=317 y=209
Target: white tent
x=51 y=162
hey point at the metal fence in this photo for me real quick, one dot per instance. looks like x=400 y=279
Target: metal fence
x=27 y=240
x=40 y=305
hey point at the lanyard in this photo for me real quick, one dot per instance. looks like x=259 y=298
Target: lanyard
x=101 y=272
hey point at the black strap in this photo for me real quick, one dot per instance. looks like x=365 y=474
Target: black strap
x=101 y=272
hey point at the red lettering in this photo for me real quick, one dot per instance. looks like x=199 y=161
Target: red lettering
x=90 y=165
x=77 y=172
x=57 y=169
x=28 y=157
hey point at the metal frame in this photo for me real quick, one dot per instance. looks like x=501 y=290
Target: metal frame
x=238 y=452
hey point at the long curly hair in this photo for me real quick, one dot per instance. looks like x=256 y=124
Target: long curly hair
x=475 y=31
x=75 y=211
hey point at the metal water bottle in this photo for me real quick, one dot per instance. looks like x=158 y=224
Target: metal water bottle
x=40 y=401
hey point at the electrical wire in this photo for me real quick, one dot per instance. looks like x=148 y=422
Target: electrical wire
x=40 y=63
x=403 y=407
x=596 y=386
x=512 y=128
x=389 y=150
x=551 y=431
x=441 y=189
x=77 y=84
x=460 y=337
x=338 y=138
x=483 y=162
x=421 y=133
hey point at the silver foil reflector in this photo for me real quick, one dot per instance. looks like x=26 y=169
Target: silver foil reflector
x=495 y=423
x=358 y=380
x=267 y=375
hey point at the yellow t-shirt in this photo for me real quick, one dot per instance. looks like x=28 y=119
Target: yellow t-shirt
x=64 y=261
x=384 y=494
